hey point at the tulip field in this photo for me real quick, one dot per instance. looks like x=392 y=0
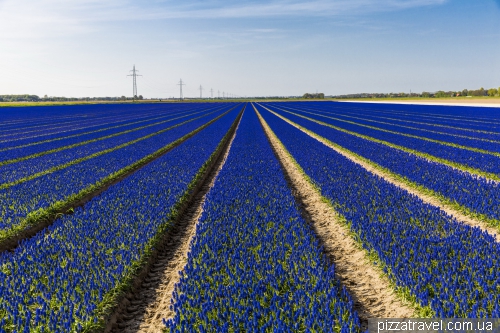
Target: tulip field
x=88 y=193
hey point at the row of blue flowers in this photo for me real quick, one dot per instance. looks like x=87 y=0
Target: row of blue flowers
x=40 y=143
x=470 y=117
x=481 y=129
x=254 y=264
x=460 y=137
x=481 y=161
x=448 y=266
x=19 y=170
x=476 y=193
x=19 y=200
x=24 y=125
x=59 y=280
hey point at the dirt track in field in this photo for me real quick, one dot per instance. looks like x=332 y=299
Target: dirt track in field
x=370 y=290
x=429 y=199
x=145 y=310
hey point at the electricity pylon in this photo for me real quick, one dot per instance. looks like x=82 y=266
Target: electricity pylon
x=134 y=81
x=180 y=84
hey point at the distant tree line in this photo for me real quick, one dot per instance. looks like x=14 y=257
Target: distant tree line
x=314 y=96
x=35 y=98
x=19 y=98
x=441 y=93
x=272 y=97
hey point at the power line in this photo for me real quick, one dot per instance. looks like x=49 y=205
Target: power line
x=180 y=84
x=134 y=81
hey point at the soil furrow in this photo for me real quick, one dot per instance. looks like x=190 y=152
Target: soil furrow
x=387 y=176
x=144 y=310
x=371 y=291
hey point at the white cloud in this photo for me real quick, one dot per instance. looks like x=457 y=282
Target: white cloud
x=276 y=8
x=46 y=18
x=263 y=30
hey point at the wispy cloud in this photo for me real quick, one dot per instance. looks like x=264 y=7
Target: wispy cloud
x=263 y=31
x=42 y=18
x=276 y=8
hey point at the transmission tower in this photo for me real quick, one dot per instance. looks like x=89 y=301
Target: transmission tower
x=212 y=93
x=180 y=84
x=134 y=81
x=201 y=88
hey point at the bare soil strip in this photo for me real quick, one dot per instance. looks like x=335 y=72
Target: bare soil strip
x=371 y=290
x=144 y=310
x=396 y=180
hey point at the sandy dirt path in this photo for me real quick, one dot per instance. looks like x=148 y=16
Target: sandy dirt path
x=150 y=304
x=370 y=289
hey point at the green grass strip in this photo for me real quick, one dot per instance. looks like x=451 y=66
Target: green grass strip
x=444 y=201
x=455 y=165
x=100 y=153
x=403 y=293
x=58 y=208
x=80 y=134
x=112 y=299
x=82 y=143
x=444 y=143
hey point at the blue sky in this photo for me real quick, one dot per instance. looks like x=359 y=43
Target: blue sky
x=276 y=47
